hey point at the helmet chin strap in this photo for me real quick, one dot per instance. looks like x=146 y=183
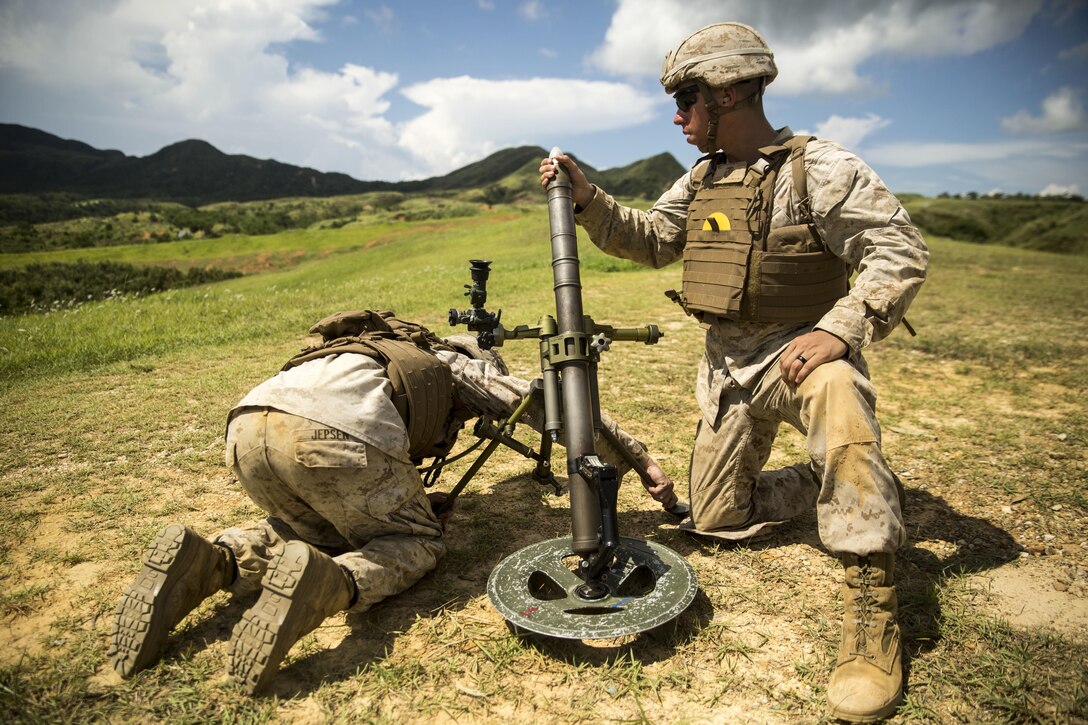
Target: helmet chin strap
x=715 y=111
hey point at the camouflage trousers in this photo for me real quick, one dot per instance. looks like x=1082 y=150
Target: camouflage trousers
x=846 y=479
x=336 y=492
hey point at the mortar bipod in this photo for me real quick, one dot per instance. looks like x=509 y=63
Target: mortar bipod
x=486 y=430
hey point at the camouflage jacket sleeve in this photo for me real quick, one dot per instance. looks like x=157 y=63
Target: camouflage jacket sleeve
x=654 y=238
x=862 y=222
x=484 y=390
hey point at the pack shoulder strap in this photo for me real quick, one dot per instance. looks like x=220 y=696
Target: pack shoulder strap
x=422 y=383
x=422 y=391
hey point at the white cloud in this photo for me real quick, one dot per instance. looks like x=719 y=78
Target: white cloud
x=134 y=73
x=819 y=45
x=532 y=10
x=642 y=31
x=1060 y=190
x=1063 y=112
x=470 y=117
x=1079 y=52
x=345 y=101
x=850 y=132
x=921 y=154
x=146 y=74
x=383 y=17
x=1018 y=165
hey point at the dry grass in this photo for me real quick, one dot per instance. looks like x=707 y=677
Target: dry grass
x=983 y=418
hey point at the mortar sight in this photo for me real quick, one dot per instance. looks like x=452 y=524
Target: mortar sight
x=479 y=270
x=478 y=319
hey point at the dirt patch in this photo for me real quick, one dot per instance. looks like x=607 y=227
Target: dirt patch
x=1035 y=593
x=22 y=637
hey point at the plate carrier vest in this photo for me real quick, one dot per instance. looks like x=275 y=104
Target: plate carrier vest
x=737 y=267
x=422 y=383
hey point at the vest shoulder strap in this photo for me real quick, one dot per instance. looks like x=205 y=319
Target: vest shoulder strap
x=702 y=174
x=797 y=145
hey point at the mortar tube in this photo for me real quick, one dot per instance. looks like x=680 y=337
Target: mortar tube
x=575 y=374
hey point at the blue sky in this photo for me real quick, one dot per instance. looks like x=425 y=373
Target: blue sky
x=937 y=95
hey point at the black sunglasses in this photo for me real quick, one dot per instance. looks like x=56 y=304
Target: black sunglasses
x=686 y=97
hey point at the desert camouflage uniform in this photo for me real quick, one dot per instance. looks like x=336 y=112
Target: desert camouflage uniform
x=322 y=449
x=739 y=389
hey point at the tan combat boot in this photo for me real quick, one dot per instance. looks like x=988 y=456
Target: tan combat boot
x=867 y=683
x=300 y=589
x=180 y=570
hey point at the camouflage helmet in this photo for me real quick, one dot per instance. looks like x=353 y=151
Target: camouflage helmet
x=719 y=55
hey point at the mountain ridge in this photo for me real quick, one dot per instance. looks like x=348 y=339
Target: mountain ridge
x=195 y=172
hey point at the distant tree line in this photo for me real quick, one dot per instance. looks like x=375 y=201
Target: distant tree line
x=972 y=195
x=215 y=221
x=56 y=207
x=56 y=285
x=80 y=223
x=62 y=222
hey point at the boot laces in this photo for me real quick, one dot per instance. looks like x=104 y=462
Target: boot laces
x=863 y=604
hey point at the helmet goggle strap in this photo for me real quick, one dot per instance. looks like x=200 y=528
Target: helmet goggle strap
x=751 y=98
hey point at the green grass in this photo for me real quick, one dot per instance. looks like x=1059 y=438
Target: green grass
x=116 y=330
x=113 y=418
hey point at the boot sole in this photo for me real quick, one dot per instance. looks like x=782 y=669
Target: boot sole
x=139 y=628
x=258 y=643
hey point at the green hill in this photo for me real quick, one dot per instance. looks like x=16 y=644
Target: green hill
x=648 y=178
x=645 y=179
x=1054 y=225
x=190 y=172
x=490 y=170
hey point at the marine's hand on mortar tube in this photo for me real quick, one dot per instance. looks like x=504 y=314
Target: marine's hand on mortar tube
x=808 y=352
x=662 y=490
x=582 y=191
x=438 y=501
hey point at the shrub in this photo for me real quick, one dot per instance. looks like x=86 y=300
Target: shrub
x=49 y=286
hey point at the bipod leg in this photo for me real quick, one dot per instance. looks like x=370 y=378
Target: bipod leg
x=542 y=474
x=497 y=437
